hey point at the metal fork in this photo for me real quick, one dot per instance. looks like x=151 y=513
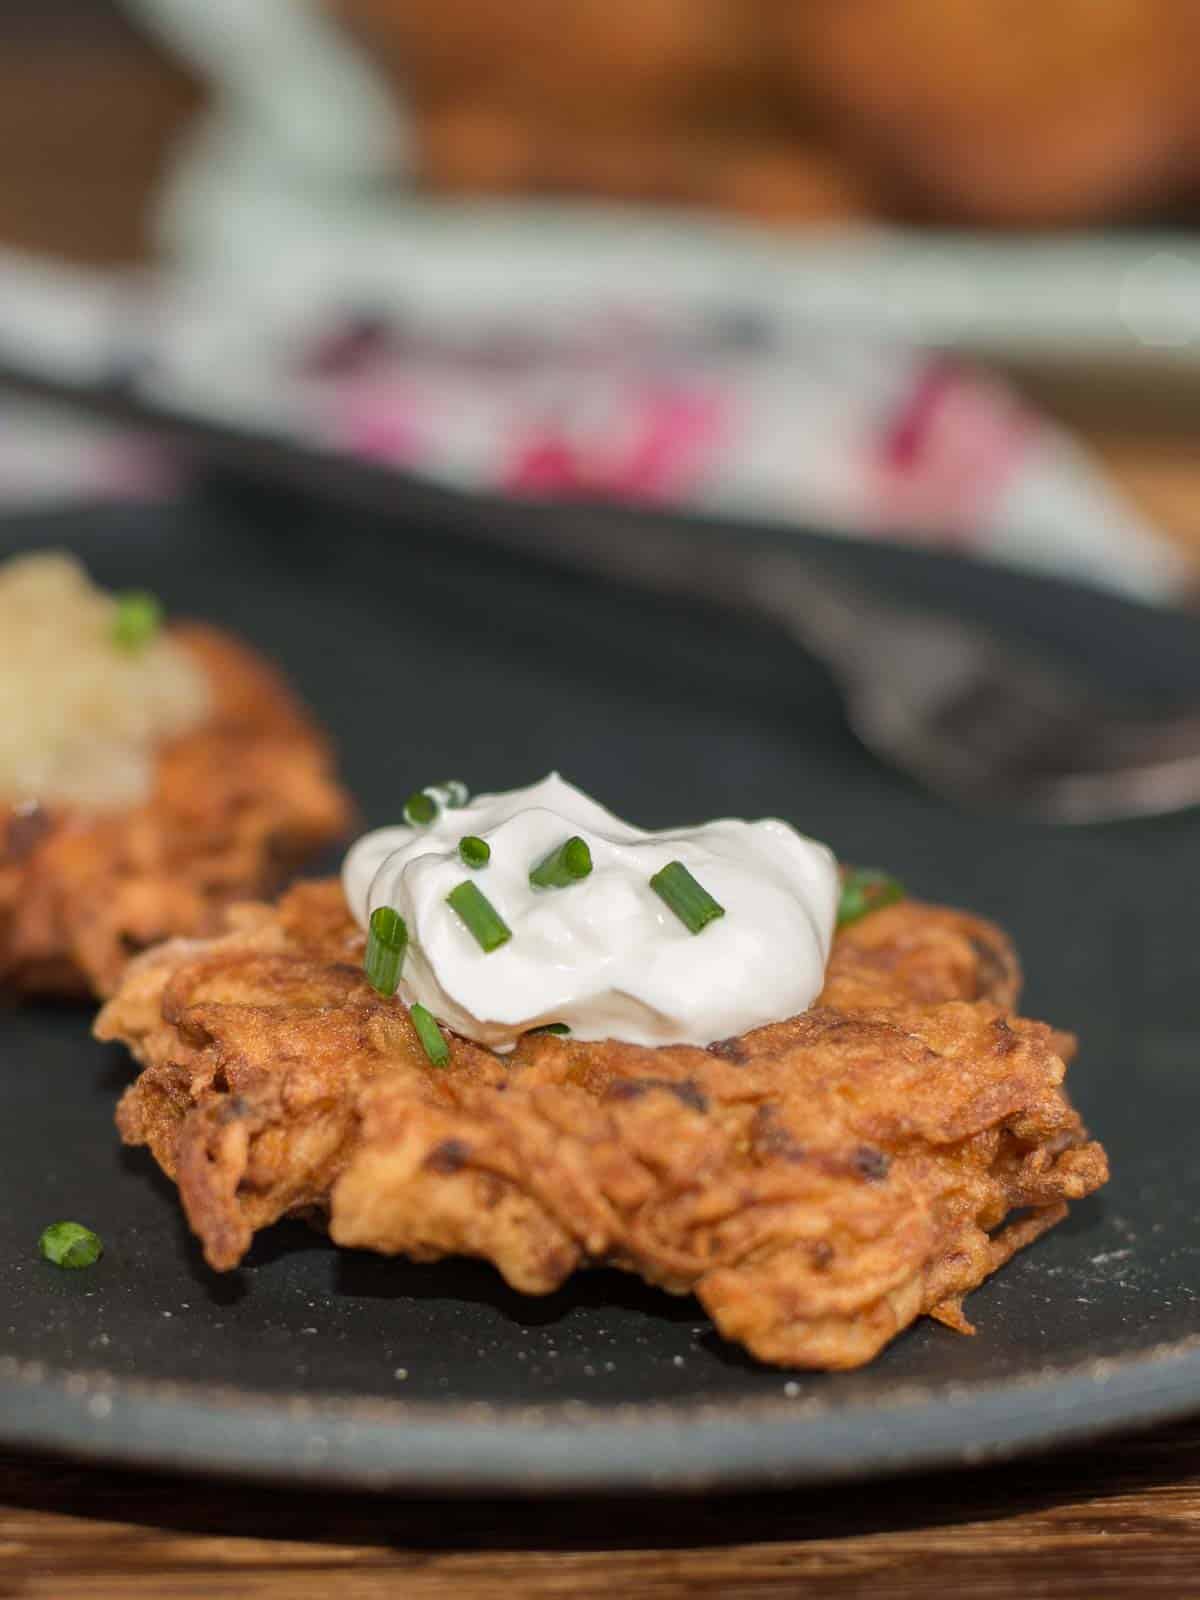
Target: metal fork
x=962 y=711
x=979 y=720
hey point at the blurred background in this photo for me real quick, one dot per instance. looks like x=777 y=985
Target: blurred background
x=921 y=269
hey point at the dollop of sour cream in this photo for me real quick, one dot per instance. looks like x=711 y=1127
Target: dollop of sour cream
x=605 y=954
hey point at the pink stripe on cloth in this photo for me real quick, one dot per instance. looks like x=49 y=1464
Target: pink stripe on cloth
x=653 y=449
x=946 y=454
x=907 y=434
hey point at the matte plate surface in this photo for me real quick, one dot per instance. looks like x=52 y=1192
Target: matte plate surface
x=430 y=660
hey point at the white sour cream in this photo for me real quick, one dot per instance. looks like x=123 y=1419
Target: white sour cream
x=605 y=955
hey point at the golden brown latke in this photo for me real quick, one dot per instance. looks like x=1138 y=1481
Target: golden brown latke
x=238 y=804
x=817 y=1184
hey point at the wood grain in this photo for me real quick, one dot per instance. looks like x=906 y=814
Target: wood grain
x=1117 y=1520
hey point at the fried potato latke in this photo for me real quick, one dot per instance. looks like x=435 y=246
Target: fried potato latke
x=817 y=1184
x=237 y=805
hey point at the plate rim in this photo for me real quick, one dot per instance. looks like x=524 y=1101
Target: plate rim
x=684 y=1446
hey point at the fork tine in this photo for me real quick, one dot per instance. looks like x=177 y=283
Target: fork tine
x=1000 y=732
x=1147 y=791
x=1066 y=770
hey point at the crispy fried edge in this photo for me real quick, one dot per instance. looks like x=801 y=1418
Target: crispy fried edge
x=239 y=804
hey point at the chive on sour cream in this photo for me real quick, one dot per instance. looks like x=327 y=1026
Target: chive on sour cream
x=610 y=952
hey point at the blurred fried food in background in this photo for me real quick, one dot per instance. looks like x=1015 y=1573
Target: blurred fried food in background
x=992 y=112
x=978 y=111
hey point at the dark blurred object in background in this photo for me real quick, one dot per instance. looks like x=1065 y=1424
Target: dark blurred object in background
x=88 y=110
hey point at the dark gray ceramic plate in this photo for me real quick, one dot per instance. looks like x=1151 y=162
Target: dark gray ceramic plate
x=427 y=659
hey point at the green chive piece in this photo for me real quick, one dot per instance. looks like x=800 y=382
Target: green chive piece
x=420 y=808
x=136 y=620
x=387 y=941
x=866 y=889
x=453 y=793
x=689 y=900
x=70 y=1244
x=566 y=865
x=474 y=852
x=551 y=1027
x=432 y=1039
x=483 y=921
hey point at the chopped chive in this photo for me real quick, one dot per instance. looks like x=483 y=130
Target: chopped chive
x=423 y=805
x=475 y=852
x=136 y=620
x=566 y=865
x=551 y=1027
x=387 y=940
x=689 y=900
x=866 y=889
x=432 y=1039
x=420 y=808
x=70 y=1244
x=483 y=921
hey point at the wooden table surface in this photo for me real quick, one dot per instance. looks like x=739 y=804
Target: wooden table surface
x=1121 y=1519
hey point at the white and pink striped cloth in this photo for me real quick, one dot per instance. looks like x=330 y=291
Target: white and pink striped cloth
x=726 y=413
x=304 y=289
